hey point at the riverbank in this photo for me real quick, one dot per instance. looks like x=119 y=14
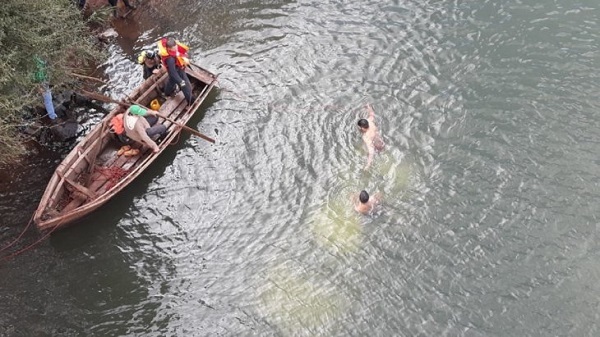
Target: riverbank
x=43 y=142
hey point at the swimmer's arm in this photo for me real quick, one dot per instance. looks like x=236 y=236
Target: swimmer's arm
x=371 y=112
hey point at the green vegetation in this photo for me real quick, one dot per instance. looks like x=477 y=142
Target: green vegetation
x=53 y=30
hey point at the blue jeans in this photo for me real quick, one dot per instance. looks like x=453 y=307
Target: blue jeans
x=47 y=94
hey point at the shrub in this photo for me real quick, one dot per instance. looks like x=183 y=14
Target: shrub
x=53 y=30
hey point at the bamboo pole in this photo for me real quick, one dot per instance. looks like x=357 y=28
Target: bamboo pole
x=107 y=99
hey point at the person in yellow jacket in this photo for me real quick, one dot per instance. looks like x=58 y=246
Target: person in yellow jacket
x=174 y=57
x=150 y=62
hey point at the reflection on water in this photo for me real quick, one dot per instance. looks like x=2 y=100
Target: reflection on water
x=336 y=225
x=294 y=301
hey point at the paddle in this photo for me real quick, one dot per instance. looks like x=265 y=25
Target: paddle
x=107 y=99
x=207 y=138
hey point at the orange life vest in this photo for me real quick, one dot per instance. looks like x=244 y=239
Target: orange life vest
x=116 y=124
x=180 y=54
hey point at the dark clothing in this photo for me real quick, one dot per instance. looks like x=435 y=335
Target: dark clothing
x=148 y=70
x=177 y=77
x=155 y=130
x=124 y=139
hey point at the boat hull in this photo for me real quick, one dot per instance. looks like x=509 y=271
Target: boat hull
x=94 y=172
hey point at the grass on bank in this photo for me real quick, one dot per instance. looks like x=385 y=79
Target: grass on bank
x=53 y=30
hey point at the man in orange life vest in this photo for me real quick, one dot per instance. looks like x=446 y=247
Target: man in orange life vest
x=140 y=125
x=174 y=57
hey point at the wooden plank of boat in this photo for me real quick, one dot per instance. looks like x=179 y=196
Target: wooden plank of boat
x=93 y=172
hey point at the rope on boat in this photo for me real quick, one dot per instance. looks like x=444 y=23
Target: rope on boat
x=176 y=140
x=8 y=257
x=20 y=235
x=113 y=174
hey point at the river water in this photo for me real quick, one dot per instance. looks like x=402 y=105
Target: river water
x=488 y=224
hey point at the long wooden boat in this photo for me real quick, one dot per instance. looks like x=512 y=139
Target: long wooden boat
x=93 y=172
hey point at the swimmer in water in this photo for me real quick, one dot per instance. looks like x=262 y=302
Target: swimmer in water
x=370 y=135
x=364 y=204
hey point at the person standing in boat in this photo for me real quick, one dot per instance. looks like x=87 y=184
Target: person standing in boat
x=174 y=57
x=370 y=135
x=139 y=124
x=150 y=62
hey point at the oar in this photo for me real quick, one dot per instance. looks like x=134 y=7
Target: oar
x=107 y=99
x=189 y=129
x=88 y=78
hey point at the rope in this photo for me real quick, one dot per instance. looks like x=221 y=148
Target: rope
x=8 y=257
x=20 y=235
x=113 y=174
x=176 y=140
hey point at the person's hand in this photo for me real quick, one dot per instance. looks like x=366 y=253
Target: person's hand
x=155 y=71
x=153 y=112
x=370 y=110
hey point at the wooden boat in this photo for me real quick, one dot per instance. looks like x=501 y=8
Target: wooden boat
x=93 y=172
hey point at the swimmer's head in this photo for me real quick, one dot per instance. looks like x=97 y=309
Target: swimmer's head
x=364 y=196
x=363 y=123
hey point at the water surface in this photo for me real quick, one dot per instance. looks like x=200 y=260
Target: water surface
x=490 y=180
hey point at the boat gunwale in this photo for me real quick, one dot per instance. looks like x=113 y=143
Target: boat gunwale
x=89 y=206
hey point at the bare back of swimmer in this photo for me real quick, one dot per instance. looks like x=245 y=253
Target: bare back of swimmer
x=370 y=135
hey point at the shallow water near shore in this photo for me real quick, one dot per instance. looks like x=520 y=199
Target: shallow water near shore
x=488 y=225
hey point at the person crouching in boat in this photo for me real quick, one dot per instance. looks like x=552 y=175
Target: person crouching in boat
x=140 y=125
x=174 y=57
x=150 y=62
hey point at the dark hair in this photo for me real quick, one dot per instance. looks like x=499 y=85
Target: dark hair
x=363 y=123
x=171 y=42
x=364 y=196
